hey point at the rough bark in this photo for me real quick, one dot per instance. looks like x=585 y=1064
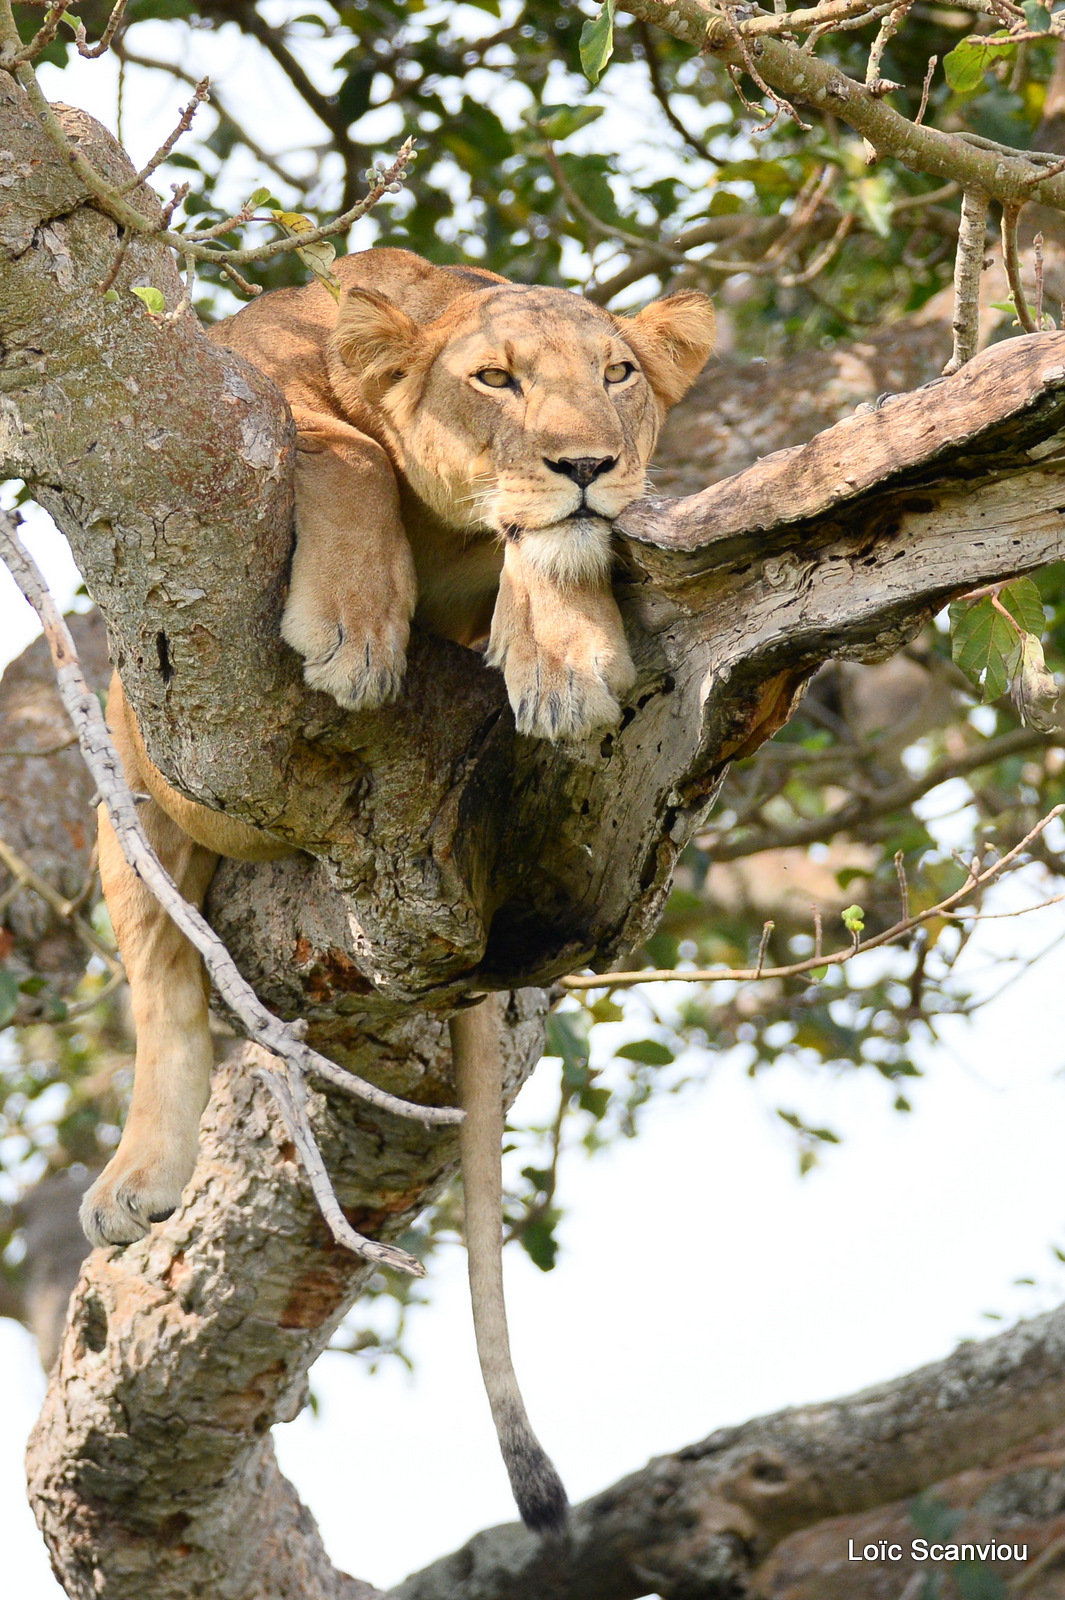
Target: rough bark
x=152 y=1454
x=440 y=851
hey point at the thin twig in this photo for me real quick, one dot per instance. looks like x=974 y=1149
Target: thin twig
x=81 y=1008
x=185 y=303
x=1044 y=172
x=91 y=51
x=41 y=39
x=825 y=256
x=889 y=27
x=968 y=265
x=976 y=879
x=1037 y=246
x=220 y=109
x=101 y=757
x=250 y=289
x=66 y=910
x=904 y=888
x=605 y=230
x=1012 y=263
x=113 y=200
x=763 y=945
x=660 y=90
x=933 y=62
x=184 y=123
x=777 y=100
x=124 y=236
x=35 y=755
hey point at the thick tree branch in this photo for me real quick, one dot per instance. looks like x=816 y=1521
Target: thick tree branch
x=701 y=1522
x=806 y=79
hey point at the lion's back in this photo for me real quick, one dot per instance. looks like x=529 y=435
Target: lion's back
x=285 y=331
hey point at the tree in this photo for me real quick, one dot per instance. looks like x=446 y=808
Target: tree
x=466 y=856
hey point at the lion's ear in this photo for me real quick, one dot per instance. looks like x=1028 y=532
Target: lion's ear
x=376 y=339
x=673 y=339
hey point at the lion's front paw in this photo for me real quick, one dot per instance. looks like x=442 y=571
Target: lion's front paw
x=129 y=1196
x=360 y=662
x=564 y=697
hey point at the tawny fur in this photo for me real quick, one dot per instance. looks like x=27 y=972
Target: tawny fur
x=476 y=509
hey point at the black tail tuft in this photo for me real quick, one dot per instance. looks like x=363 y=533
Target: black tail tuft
x=537 y=1487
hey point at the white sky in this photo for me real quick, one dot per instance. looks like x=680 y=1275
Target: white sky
x=701 y=1282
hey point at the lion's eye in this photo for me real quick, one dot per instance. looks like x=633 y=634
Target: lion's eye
x=494 y=377
x=619 y=371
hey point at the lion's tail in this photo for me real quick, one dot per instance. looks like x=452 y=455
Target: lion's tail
x=476 y=1048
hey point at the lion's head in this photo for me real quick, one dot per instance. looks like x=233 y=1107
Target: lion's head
x=521 y=409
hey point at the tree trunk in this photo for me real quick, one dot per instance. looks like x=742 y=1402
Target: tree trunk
x=435 y=851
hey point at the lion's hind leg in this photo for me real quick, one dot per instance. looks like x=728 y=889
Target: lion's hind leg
x=142 y=1182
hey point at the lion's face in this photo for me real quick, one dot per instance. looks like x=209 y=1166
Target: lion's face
x=521 y=409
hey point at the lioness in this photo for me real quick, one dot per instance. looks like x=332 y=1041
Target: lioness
x=463 y=445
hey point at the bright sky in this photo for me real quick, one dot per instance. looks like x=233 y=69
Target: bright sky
x=701 y=1281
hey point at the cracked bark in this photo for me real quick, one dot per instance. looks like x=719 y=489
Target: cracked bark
x=434 y=850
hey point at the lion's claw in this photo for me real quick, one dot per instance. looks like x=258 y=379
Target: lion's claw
x=122 y=1205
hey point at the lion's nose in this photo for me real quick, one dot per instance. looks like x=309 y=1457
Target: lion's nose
x=582 y=469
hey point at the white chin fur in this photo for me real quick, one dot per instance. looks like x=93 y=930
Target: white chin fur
x=574 y=551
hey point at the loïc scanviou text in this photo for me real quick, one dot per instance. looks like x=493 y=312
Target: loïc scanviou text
x=926 y=1550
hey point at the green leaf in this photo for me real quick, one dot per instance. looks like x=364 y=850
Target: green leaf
x=966 y=64
x=933 y=1517
x=1038 y=16
x=597 y=42
x=261 y=197
x=874 y=202
x=153 y=298
x=317 y=257
x=1022 y=600
x=649 y=1052
x=977 y=1582
x=853 y=919
x=292 y=221
x=558 y=122
x=353 y=97
x=595 y=1101
x=8 y=996
x=539 y=1243
x=768 y=177
x=982 y=642
x=111 y=295
x=606 y=1010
